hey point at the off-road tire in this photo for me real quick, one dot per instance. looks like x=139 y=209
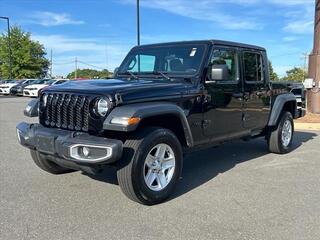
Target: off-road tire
x=130 y=172
x=274 y=135
x=48 y=165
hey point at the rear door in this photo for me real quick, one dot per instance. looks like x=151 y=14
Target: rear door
x=256 y=98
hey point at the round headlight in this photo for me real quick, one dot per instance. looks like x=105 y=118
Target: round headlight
x=102 y=107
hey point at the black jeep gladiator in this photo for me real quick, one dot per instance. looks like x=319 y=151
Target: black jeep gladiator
x=165 y=100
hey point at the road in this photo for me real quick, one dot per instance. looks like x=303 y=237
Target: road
x=235 y=191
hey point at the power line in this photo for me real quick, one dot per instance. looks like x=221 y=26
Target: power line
x=88 y=64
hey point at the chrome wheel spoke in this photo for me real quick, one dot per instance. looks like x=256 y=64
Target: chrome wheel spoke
x=159 y=167
x=168 y=163
x=151 y=176
x=161 y=178
x=149 y=160
x=161 y=150
x=286 y=133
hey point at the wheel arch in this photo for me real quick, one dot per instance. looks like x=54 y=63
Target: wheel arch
x=283 y=102
x=159 y=114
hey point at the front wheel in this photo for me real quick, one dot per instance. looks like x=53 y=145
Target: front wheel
x=280 y=138
x=151 y=165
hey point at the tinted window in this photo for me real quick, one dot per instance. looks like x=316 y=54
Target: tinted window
x=253 y=67
x=226 y=59
x=147 y=63
x=182 y=59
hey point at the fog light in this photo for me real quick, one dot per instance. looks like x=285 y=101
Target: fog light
x=85 y=151
x=90 y=153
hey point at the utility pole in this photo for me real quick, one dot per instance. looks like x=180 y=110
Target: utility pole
x=75 y=71
x=51 y=63
x=9 y=46
x=314 y=65
x=138 y=22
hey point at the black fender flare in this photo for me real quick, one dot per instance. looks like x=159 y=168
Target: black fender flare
x=277 y=107
x=145 y=110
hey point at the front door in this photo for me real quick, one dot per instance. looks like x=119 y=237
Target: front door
x=256 y=99
x=223 y=102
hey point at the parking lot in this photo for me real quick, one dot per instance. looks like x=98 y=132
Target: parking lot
x=236 y=191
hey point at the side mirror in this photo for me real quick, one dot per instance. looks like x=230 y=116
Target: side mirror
x=115 y=71
x=218 y=72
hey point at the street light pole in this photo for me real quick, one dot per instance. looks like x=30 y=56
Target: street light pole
x=314 y=65
x=9 y=46
x=138 y=22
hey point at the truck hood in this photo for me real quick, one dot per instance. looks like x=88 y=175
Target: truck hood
x=37 y=86
x=6 y=85
x=130 y=90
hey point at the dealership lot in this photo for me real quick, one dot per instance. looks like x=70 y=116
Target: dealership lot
x=236 y=191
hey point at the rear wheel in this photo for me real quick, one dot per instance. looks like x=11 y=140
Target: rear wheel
x=280 y=138
x=47 y=165
x=151 y=165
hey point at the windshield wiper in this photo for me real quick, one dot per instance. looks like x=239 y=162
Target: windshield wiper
x=129 y=73
x=163 y=74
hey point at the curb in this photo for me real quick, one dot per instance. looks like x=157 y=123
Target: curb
x=307 y=126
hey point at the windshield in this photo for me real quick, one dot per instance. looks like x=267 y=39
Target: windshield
x=40 y=81
x=11 y=81
x=172 y=60
x=49 y=82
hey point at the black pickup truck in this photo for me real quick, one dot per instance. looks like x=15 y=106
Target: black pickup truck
x=165 y=100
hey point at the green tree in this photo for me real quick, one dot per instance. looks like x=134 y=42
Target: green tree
x=90 y=73
x=273 y=75
x=295 y=74
x=28 y=56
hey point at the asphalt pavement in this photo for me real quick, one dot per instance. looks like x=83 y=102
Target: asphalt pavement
x=235 y=191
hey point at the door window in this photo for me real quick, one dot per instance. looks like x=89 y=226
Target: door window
x=253 y=67
x=226 y=59
x=147 y=63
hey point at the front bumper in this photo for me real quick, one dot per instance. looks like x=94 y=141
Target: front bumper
x=16 y=91
x=68 y=145
x=5 y=91
x=30 y=93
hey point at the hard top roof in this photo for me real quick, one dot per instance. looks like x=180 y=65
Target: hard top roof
x=214 y=42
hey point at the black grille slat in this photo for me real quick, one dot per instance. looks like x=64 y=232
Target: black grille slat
x=48 y=109
x=59 y=110
x=54 y=110
x=67 y=111
x=79 y=115
x=86 y=115
x=71 y=111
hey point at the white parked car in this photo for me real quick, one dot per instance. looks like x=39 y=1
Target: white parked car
x=6 y=87
x=34 y=89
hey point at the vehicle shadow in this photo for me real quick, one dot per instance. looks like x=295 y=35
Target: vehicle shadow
x=203 y=165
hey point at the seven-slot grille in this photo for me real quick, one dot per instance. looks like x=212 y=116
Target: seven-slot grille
x=67 y=111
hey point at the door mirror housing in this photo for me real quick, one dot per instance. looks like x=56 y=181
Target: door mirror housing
x=115 y=72
x=219 y=72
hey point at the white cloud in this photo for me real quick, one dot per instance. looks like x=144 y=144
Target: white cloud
x=300 y=27
x=53 y=19
x=204 y=10
x=301 y=20
x=290 y=38
x=217 y=11
x=94 y=51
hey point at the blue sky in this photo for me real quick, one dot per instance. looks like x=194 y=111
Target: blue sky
x=100 y=32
